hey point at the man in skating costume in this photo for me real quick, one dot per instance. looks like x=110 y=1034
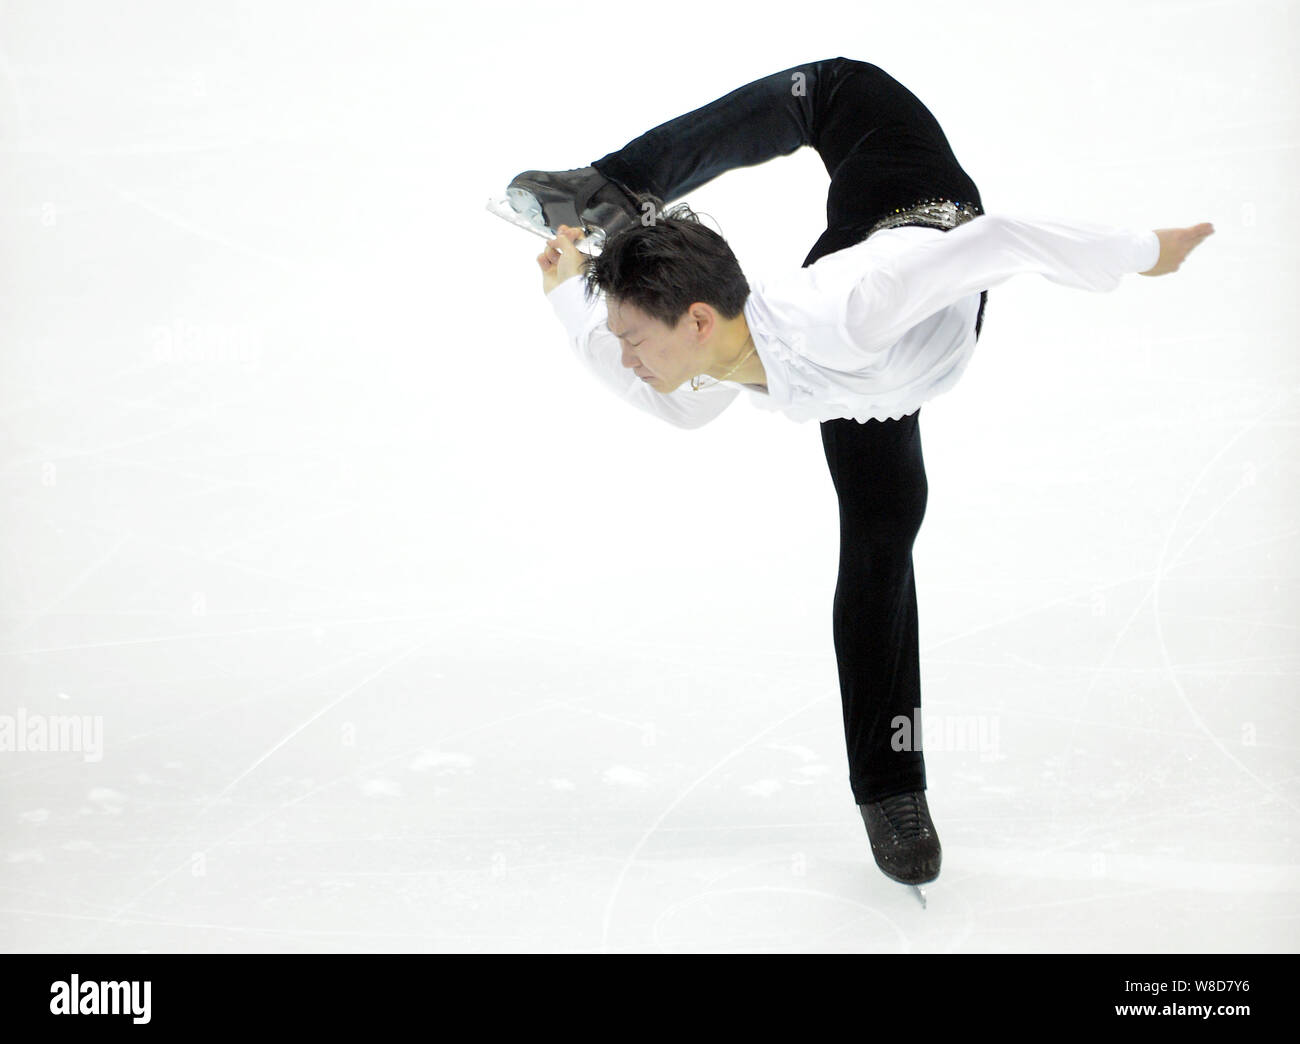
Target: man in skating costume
x=856 y=341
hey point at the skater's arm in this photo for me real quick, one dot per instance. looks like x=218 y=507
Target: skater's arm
x=982 y=253
x=591 y=340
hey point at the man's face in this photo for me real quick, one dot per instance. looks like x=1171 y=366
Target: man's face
x=662 y=356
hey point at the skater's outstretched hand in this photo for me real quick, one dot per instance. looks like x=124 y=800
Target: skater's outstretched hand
x=561 y=260
x=1176 y=244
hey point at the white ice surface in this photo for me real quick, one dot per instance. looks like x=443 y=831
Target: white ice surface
x=405 y=636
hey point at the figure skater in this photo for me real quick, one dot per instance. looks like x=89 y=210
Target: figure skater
x=883 y=315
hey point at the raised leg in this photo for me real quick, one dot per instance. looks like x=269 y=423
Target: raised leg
x=769 y=117
x=881 y=146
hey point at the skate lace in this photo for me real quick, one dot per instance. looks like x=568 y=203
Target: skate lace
x=904 y=814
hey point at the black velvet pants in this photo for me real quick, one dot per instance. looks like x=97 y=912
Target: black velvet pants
x=883 y=150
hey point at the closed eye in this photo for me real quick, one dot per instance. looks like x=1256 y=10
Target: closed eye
x=623 y=338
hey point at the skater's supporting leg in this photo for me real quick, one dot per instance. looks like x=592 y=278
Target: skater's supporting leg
x=879 y=476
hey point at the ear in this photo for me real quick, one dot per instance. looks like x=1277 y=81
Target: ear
x=703 y=318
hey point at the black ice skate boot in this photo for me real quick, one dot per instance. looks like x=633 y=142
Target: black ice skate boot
x=580 y=198
x=903 y=838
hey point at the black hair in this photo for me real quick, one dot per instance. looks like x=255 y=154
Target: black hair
x=666 y=263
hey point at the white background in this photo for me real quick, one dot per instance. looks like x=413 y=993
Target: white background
x=405 y=635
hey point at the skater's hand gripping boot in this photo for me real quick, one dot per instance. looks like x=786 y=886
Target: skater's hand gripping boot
x=561 y=259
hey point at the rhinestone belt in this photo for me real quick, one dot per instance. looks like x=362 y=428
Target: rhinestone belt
x=936 y=213
x=932 y=213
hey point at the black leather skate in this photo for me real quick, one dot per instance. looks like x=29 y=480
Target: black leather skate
x=581 y=198
x=903 y=838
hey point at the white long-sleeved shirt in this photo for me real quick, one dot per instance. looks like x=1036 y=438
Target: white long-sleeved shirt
x=876 y=329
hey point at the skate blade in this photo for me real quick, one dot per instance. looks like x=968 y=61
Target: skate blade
x=920 y=894
x=590 y=244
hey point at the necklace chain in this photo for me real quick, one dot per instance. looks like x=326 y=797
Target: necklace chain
x=695 y=381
